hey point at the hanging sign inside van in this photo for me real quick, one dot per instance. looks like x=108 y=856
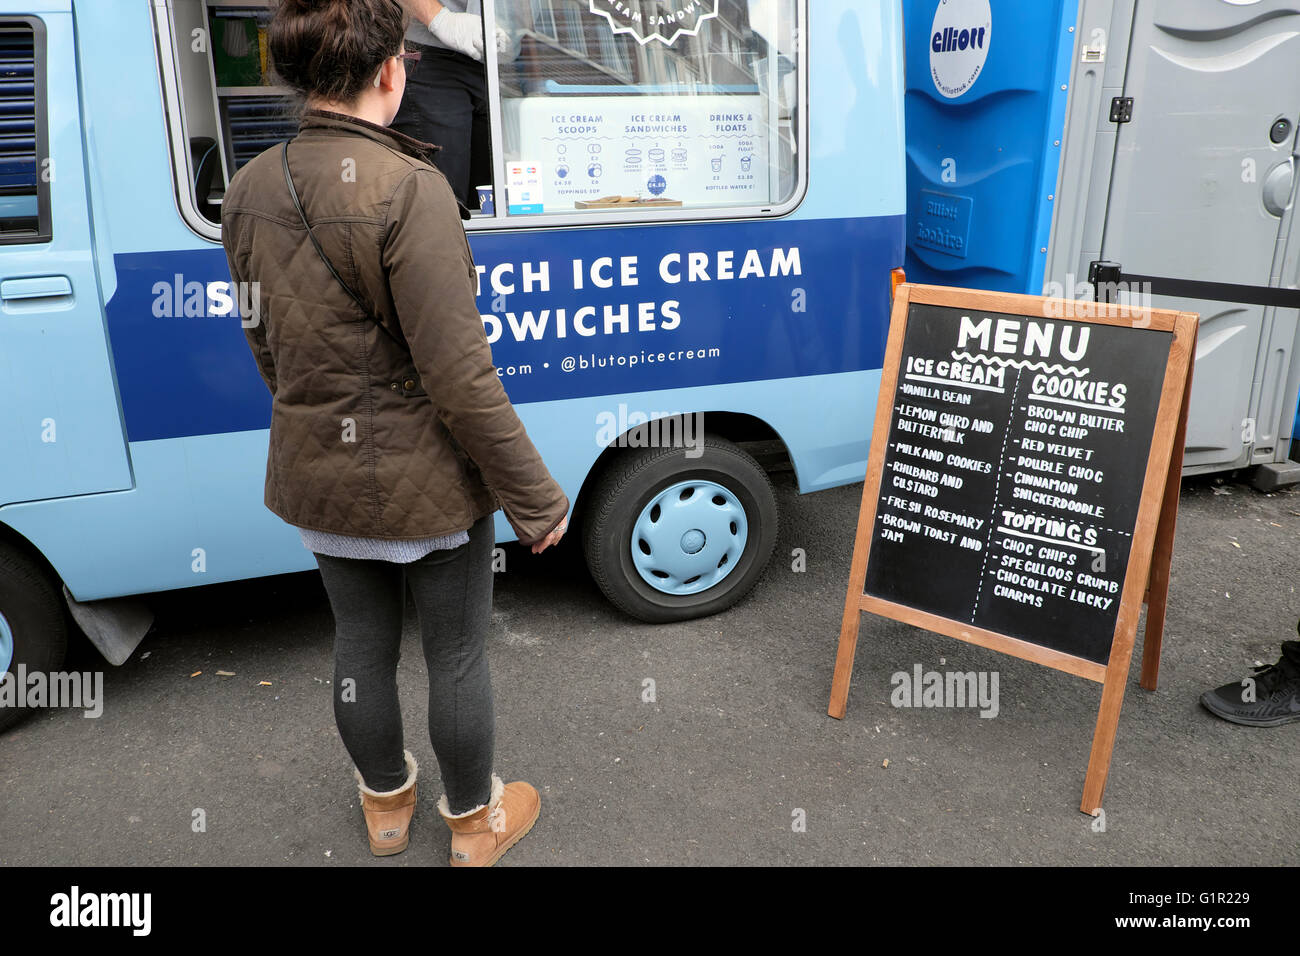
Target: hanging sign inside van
x=959 y=44
x=664 y=22
x=1022 y=485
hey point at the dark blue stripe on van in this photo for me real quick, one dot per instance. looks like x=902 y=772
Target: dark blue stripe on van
x=183 y=376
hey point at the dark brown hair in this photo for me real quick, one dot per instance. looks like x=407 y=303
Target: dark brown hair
x=331 y=49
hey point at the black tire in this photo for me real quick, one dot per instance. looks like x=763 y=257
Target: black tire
x=629 y=484
x=31 y=607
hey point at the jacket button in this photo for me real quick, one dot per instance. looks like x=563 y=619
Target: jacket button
x=393 y=386
x=409 y=384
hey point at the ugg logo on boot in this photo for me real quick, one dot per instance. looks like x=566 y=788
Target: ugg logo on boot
x=460 y=855
x=390 y=834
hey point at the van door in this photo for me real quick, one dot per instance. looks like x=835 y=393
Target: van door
x=61 y=430
x=1203 y=189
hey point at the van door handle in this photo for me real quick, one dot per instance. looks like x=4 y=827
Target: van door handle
x=44 y=287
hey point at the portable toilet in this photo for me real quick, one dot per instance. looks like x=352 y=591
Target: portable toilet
x=1045 y=135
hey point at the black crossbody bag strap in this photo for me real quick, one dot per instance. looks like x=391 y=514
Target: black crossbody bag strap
x=297 y=204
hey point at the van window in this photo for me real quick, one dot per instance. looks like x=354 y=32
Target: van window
x=223 y=106
x=616 y=106
x=24 y=167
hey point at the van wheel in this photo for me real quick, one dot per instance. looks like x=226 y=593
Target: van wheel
x=33 y=628
x=670 y=538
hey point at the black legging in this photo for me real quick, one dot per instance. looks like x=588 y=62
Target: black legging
x=446 y=104
x=453 y=598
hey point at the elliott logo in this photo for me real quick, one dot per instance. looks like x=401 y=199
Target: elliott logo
x=665 y=22
x=959 y=44
x=951 y=38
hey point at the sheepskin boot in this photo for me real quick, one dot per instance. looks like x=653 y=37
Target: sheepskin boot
x=388 y=815
x=481 y=836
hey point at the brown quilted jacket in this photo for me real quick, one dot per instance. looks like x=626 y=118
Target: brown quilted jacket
x=397 y=432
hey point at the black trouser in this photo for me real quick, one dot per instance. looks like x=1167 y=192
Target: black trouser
x=446 y=104
x=453 y=598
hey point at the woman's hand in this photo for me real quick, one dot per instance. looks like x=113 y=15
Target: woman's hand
x=552 y=538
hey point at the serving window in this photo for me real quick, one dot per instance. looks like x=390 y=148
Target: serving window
x=599 y=110
x=679 y=107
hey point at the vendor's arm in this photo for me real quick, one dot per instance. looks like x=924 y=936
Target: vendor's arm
x=462 y=32
x=422 y=10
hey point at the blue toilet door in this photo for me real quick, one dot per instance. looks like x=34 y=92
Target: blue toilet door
x=986 y=94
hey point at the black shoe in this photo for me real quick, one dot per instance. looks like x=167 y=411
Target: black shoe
x=1270 y=698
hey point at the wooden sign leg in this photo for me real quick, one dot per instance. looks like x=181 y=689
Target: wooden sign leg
x=1157 y=578
x=1163 y=552
x=1158 y=596
x=1103 y=737
x=844 y=660
x=852 y=607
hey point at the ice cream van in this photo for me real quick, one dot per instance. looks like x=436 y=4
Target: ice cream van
x=695 y=218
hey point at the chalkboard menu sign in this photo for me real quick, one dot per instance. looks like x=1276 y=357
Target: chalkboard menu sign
x=1012 y=472
x=1022 y=485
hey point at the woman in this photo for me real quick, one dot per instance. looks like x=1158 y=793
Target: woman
x=392 y=440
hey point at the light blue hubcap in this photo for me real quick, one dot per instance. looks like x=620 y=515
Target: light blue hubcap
x=689 y=537
x=6 y=645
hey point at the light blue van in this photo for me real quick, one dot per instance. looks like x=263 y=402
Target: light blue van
x=700 y=214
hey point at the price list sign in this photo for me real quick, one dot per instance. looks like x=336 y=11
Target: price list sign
x=1009 y=469
x=1023 y=474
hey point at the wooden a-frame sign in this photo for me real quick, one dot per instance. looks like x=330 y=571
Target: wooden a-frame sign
x=911 y=516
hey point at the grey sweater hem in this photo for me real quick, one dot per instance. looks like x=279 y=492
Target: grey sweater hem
x=378 y=549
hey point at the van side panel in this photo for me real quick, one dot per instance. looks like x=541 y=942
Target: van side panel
x=796 y=342
x=855 y=88
x=60 y=429
x=196 y=516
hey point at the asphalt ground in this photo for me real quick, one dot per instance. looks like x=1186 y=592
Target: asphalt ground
x=734 y=761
